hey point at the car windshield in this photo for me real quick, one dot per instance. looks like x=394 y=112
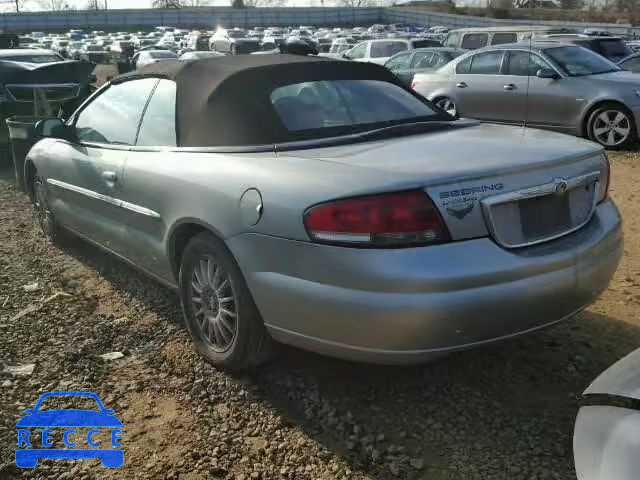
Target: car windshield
x=578 y=61
x=162 y=55
x=614 y=48
x=448 y=55
x=424 y=43
x=352 y=103
x=39 y=58
x=387 y=49
x=236 y=34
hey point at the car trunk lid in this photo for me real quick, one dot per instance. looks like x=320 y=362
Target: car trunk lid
x=476 y=175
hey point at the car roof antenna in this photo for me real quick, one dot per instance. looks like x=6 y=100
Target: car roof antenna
x=526 y=97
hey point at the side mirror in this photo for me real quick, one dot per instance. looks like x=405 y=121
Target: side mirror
x=54 y=128
x=93 y=78
x=109 y=411
x=30 y=410
x=547 y=73
x=346 y=55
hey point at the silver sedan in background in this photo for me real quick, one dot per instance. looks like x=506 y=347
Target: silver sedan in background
x=546 y=84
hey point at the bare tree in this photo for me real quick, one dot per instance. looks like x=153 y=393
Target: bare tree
x=93 y=5
x=19 y=4
x=196 y=3
x=257 y=3
x=570 y=4
x=627 y=6
x=167 y=4
x=54 y=5
x=356 y=3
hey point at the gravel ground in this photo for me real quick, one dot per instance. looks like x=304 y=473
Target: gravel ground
x=505 y=411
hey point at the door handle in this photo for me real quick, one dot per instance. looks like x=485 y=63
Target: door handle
x=509 y=86
x=461 y=85
x=109 y=176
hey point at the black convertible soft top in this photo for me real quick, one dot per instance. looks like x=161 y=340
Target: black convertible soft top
x=225 y=101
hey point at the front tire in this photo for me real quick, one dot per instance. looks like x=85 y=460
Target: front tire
x=612 y=126
x=44 y=215
x=219 y=312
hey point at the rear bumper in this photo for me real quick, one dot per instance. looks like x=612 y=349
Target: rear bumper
x=409 y=305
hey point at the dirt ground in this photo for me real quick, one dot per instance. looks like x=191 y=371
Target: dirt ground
x=502 y=412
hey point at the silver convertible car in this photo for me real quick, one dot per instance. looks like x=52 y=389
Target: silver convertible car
x=545 y=84
x=331 y=208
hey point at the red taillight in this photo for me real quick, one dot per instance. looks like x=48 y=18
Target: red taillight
x=388 y=220
x=607 y=182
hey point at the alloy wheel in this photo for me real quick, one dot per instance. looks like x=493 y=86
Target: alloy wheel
x=448 y=106
x=214 y=304
x=611 y=127
x=45 y=218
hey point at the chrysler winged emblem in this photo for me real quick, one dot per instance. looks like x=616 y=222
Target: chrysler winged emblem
x=460 y=213
x=560 y=187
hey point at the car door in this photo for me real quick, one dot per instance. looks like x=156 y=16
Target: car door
x=520 y=66
x=399 y=66
x=84 y=177
x=544 y=102
x=147 y=209
x=477 y=85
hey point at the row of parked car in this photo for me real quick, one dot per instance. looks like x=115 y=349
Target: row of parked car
x=573 y=83
x=99 y=46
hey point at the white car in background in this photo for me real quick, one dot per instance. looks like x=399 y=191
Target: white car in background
x=233 y=42
x=191 y=56
x=380 y=50
x=148 y=57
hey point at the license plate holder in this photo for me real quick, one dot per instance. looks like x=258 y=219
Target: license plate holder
x=544 y=216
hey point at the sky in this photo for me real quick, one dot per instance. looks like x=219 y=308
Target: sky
x=33 y=5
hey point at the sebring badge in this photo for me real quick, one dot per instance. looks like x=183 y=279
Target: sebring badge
x=560 y=187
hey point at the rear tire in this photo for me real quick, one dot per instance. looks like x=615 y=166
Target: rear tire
x=219 y=312
x=448 y=105
x=612 y=126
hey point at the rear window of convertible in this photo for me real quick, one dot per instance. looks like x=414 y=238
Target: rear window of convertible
x=337 y=103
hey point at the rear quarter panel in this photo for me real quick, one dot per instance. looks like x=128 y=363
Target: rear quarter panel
x=433 y=85
x=206 y=188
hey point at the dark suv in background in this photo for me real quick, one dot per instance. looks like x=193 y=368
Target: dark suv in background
x=612 y=48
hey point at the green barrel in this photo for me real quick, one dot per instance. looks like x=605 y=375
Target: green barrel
x=22 y=137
